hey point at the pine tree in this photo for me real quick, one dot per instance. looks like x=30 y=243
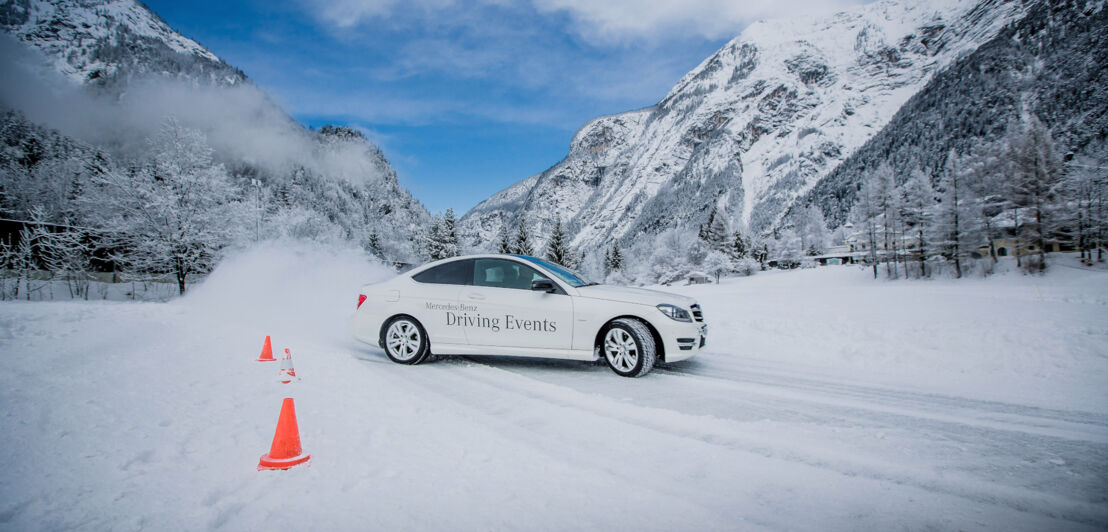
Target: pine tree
x=504 y=241
x=449 y=234
x=739 y=246
x=613 y=258
x=522 y=244
x=434 y=244
x=557 y=248
x=714 y=231
x=374 y=245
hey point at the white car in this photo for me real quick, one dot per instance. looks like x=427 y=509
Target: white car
x=522 y=306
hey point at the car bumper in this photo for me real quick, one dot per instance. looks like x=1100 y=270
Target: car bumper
x=684 y=340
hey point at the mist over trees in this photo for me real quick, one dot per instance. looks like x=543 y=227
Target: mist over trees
x=174 y=208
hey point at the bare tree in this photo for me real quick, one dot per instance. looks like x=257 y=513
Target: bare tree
x=865 y=214
x=917 y=201
x=1037 y=185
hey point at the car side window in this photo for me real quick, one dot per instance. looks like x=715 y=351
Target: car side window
x=500 y=273
x=458 y=272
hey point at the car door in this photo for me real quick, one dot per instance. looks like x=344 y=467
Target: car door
x=434 y=300
x=507 y=313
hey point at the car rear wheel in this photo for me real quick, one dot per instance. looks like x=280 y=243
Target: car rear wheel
x=405 y=341
x=629 y=348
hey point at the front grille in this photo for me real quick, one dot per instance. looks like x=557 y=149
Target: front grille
x=697 y=314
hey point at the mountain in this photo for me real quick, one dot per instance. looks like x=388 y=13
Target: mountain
x=104 y=75
x=107 y=42
x=752 y=128
x=1050 y=64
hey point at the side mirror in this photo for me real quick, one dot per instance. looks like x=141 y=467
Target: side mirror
x=543 y=285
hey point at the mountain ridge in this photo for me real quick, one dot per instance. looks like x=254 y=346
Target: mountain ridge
x=820 y=87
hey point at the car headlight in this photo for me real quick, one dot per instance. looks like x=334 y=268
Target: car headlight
x=675 y=312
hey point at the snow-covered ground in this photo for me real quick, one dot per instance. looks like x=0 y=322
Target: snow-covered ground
x=825 y=401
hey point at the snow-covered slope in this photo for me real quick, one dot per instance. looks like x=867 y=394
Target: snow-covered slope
x=1037 y=66
x=979 y=404
x=103 y=41
x=751 y=128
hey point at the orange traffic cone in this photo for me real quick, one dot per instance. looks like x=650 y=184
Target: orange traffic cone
x=287 y=372
x=267 y=352
x=285 y=451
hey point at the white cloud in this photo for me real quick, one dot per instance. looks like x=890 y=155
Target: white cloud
x=604 y=21
x=349 y=13
x=610 y=20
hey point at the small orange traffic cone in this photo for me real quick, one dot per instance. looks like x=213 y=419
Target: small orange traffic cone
x=267 y=352
x=285 y=451
x=287 y=372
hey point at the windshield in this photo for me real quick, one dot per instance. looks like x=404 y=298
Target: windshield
x=567 y=276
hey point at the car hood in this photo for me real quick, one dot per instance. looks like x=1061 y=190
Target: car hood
x=627 y=294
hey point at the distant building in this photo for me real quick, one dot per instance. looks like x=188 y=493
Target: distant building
x=698 y=278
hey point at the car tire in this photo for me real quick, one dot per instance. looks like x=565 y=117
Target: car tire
x=405 y=341
x=628 y=347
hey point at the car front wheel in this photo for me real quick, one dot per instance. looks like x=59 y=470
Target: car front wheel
x=405 y=341
x=629 y=348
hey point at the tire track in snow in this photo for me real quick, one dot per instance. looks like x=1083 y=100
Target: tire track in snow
x=732 y=435
x=1033 y=419
x=460 y=384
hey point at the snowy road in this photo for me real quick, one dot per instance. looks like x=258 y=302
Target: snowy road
x=152 y=416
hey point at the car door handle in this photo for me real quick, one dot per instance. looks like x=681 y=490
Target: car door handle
x=477 y=297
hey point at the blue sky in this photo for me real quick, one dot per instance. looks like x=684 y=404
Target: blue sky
x=466 y=97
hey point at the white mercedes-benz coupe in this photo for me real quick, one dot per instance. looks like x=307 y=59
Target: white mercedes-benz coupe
x=517 y=305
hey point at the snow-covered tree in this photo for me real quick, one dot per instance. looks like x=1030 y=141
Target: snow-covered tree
x=557 y=247
x=986 y=178
x=740 y=246
x=667 y=257
x=522 y=244
x=812 y=229
x=956 y=227
x=717 y=263
x=64 y=250
x=613 y=258
x=714 y=232
x=504 y=240
x=865 y=215
x=434 y=243
x=171 y=213
x=1087 y=185
x=916 y=205
x=373 y=245
x=759 y=251
x=1037 y=183
x=786 y=249
x=885 y=193
x=450 y=233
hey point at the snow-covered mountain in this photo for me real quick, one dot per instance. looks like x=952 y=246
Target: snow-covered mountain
x=103 y=41
x=750 y=129
x=1037 y=66
x=129 y=72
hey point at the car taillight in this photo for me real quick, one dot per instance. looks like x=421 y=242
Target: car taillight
x=361 y=299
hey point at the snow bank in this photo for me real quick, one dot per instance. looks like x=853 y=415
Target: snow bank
x=292 y=288
x=1011 y=337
